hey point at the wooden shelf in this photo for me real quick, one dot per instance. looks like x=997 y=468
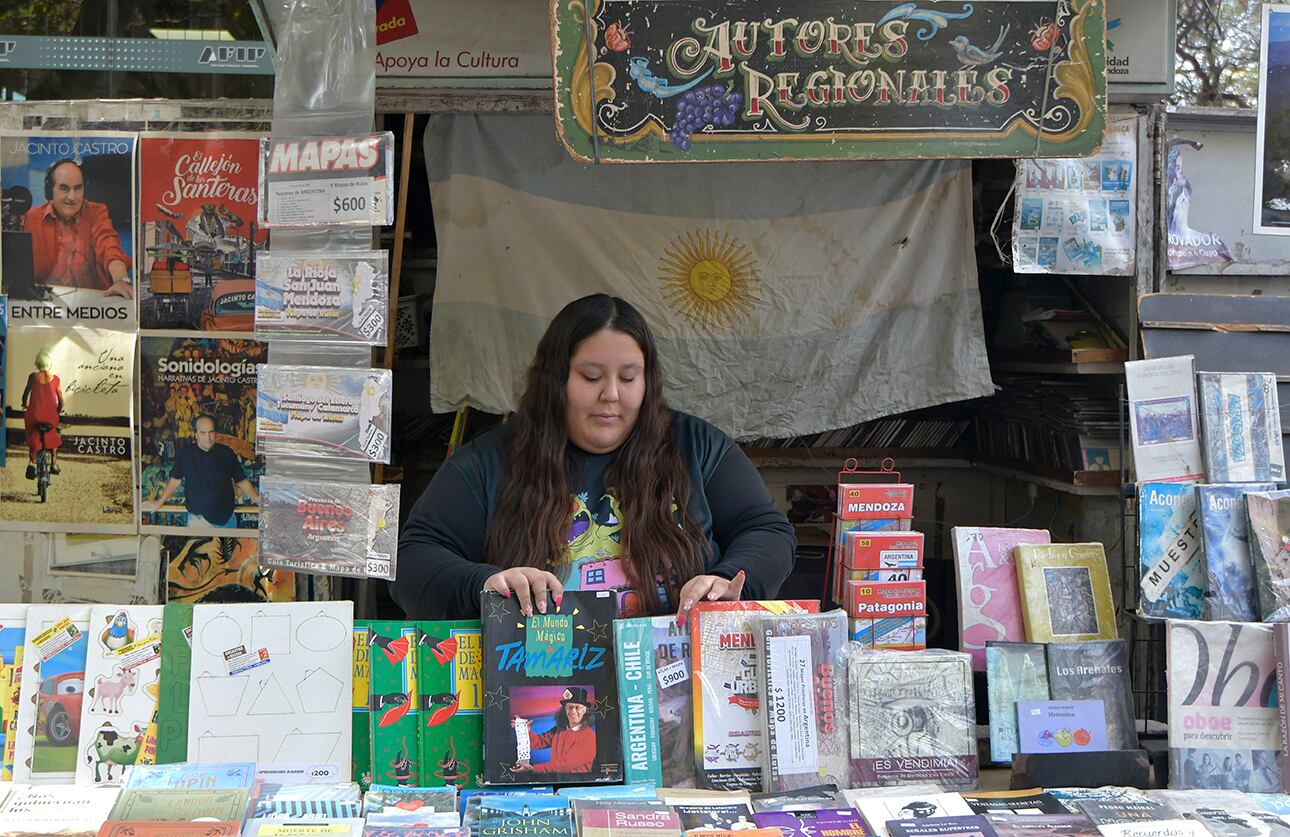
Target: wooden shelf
x=1059 y=368
x=1073 y=362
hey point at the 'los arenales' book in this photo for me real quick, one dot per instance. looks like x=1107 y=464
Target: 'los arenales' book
x=912 y=718
x=803 y=669
x=1224 y=729
x=1172 y=561
x=551 y=712
x=655 y=693
x=989 y=605
x=1014 y=671
x=1065 y=592
x=729 y=745
x=1269 y=519
x=1097 y=670
x=1230 y=592
x=450 y=659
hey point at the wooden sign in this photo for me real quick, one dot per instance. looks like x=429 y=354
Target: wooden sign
x=706 y=80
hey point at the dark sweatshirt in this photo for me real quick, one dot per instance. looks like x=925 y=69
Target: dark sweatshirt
x=441 y=568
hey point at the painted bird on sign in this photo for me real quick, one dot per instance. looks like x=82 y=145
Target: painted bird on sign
x=971 y=56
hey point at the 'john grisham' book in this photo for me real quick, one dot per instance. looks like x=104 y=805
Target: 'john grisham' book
x=1097 y=670
x=1230 y=593
x=1224 y=726
x=450 y=658
x=526 y=813
x=729 y=745
x=551 y=711
x=805 y=677
x=655 y=694
x=1172 y=560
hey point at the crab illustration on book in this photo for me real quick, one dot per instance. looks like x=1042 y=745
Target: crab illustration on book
x=392 y=707
x=441 y=707
x=119 y=632
x=444 y=650
x=395 y=650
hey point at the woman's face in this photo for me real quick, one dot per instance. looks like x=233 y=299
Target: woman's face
x=575 y=712
x=604 y=391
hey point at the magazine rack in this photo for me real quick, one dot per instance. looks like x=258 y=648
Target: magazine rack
x=851 y=469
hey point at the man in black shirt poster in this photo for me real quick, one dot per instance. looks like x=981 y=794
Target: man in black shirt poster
x=210 y=474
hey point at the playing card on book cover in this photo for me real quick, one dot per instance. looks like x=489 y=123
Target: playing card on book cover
x=551 y=710
x=989 y=605
x=1065 y=592
x=1230 y=590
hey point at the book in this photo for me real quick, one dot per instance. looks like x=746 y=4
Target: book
x=1072 y=796
x=970 y=826
x=328 y=809
x=717 y=815
x=208 y=570
x=394 y=705
x=729 y=745
x=551 y=707
x=13 y=636
x=882 y=599
x=1281 y=655
x=875 y=501
x=184 y=777
x=804 y=675
x=528 y=813
x=303 y=827
x=1042 y=825
x=1224 y=729
x=1026 y=802
x=986 y=574
x=913 y=718
x=155 y=805
x=622 y=819
x=1111 y=812
x=56 y=809
x=893 y=633
x=323 y=297
x=1065 y=592
x=655 y=692
x=450 y=688
x=1014 y=671
x=360 y=758
x=883 y=550
x=1241 y=425
x=52 y=691
x=878 y=812
x=1268 y=514
x=1097 y=670
x=842 y=822
x=143 y=828
x=798 y=799
x=1073 y=726
x=1230 y=591
x=1163 y=419
x=1223 y=822
x=1171 y=554
x=176 y=671
x=329 y=528
x=323 y=411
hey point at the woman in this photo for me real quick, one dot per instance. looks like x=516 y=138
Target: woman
x=42 y=399
x=572 y=741
x=595 y=483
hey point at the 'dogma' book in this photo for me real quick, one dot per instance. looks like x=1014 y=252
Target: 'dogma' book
x=989 y=606
x=1268 y=513
x=1065 y=592
x=655 y=693
x=1230 y=591
x=1172 y=561
x=551 y=713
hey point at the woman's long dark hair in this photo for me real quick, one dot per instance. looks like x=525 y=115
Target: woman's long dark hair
x=648 y=477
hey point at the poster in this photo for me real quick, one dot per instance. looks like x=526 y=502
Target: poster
x=202 y=570
x=4 y=338
x=1272 y=175
x=198 y=470
x=74 y=385
x=1188 y=247
x=67 y=210
x=1077 y=215
x=198 y=230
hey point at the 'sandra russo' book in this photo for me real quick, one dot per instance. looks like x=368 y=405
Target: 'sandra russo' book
x=1097 y=670
x=1230 y=592
x=551 y=713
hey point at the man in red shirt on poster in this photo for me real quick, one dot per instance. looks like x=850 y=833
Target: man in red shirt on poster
x=73 y=242
x=572 y=741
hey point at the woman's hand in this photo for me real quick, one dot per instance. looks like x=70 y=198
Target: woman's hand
x=530 y=585
x=710 y=588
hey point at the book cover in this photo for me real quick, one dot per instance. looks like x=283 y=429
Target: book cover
x=875 y=501
x=1241 y=426
x=1014 y=671
x=913 y=718
x=655 y=693
x=324 y=411
x=329 y=809
x=1171 y=554
x=842 y=529
x=329 y=528
x=1222 y=822
x=53 y=686
x=842 y=822
x=334 y=297
x=1097 y=671
x=972 y=826
x=1230 y=591
x=986 y=572
x=303 y=827
x=13 y=637
x=1114 y=812
x=1072 y=796
x=450 y=689
x=1071 y=726
x=878 y=812
x=205 y=570
x=394 y=703
x=200 y=239
x=623 y=819
x=143 y=828
x=882 y=599
x=56 y=809
x=1065 y=592
x=799 y=799
x=729 y=746
x=1163 y=419
x=1281 y=654
x=360 y=759
x=551 y=707
x=1268 y=514
x=883 y=550
x=186 y=777
x=118 y=725
x=804 y=679
x=221 y=804
x=1042 y=825
x=702 y=817
x=1026 y=802
x=176 y=671
x=1156 y=828
x=526 y=813
x=196 y=413
x=894 y=633
x=1224 y=729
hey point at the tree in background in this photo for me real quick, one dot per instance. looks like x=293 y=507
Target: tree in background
x=1218 y=53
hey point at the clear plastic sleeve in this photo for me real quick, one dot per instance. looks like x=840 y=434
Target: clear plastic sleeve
x=327 y=181
x=323 y=297
x=329 y=528
x=324 y=411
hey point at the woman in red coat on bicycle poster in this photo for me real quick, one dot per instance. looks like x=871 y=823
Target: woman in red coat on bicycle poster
x=42 y=399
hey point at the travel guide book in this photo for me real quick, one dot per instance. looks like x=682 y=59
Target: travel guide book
x=656 y=697
x=323 y=297
x=324 y=411
x=329 y=528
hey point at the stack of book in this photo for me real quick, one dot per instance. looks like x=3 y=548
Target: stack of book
x=1062 y=424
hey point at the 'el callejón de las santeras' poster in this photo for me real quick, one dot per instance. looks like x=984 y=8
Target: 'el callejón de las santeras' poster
x=67 y=213
x=199 y=473
x=67 y=431
x=198 y=230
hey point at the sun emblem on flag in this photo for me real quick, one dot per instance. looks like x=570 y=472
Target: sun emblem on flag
x=709 y=278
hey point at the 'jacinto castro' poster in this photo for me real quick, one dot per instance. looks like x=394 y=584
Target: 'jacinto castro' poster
x=67 y=213
x=199 y=474
x=197 y=217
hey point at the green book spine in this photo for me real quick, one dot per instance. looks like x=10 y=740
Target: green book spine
x=172 y=700
x=395 y=726
x=449 y=679
x=361 y=750
x=638 y=695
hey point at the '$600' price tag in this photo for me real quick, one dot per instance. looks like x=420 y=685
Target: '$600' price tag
x=349 y=200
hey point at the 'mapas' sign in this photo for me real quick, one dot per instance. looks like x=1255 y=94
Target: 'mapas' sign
x=693 y=80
